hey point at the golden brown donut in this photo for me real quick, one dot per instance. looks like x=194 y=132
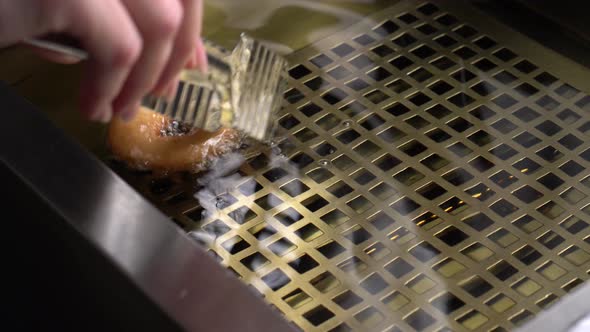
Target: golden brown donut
x=152 y=141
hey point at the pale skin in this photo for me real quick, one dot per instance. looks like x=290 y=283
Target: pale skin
x=136 y=47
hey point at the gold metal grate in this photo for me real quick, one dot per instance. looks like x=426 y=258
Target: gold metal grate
x=437 y=179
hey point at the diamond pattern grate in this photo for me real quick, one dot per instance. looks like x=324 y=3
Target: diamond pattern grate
x=429 y=177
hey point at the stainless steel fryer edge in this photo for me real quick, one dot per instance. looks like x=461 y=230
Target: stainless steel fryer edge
x=176 y=274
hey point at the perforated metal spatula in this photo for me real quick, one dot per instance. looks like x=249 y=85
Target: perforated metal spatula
x=243 y=88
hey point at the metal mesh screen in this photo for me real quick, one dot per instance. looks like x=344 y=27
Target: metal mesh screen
x=430 y=177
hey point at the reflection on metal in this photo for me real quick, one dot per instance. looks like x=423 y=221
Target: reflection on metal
x=432 y=175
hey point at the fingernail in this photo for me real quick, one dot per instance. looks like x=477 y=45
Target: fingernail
x=201 y=57
x=195 y=60
x=129 y=113
x=101 y=117
x=106 y=116
x=160 y=90
x=192 y=62
x=172 y=90
x=96 y=114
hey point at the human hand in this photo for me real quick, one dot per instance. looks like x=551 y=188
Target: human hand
x=135 y=47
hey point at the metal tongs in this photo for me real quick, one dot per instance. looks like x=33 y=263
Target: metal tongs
x=243 y=88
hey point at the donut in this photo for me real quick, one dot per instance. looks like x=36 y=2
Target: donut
x=151 y=141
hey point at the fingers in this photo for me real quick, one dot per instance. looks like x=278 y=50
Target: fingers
x=105 y=29
x=201 y=61
x=187 y=46
x=158 y=24
x=135 y=46
x=109 y=35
